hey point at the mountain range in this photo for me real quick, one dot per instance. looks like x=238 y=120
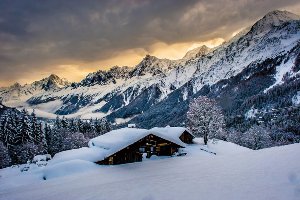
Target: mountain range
x=255 y=76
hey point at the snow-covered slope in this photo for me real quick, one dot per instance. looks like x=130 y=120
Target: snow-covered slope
x=124 y=94
x=233 y=173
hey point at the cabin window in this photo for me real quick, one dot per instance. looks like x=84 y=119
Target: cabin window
x=111 y=160
x=142 y=149
x=151 y=149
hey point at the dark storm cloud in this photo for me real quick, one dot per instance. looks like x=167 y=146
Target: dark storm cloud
x=37 y=34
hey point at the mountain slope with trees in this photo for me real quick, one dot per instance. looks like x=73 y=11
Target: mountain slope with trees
x=254 y=78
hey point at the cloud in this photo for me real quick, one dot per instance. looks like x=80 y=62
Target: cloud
x=38 y=37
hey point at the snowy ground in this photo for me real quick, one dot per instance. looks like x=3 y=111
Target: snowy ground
x=233 y=173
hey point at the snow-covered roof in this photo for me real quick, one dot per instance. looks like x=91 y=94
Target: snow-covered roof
x=84 y=153
x=171 y=131
x=116 y=140
x=120 y=138
x=107 y=144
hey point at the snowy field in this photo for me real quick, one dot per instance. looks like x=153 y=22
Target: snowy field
x=233 y=173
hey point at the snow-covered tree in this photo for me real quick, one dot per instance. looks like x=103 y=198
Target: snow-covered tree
x=73 y=140
x=105 y=126
x=5 y=159
x=24 y=152
x=36 y=131
x=57 y=123
x=206 y=119
x=64 y=123
x=72 y=126
x=257 y=137
x=235 y=136
x=24 y=129
x=42 y=143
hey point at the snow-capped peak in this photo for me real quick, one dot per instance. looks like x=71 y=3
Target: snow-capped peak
x=153 y=65
x=277 y=16
x=197 y=52
x=272 y=19
x=102 y=77
x=51 y=82
x=16 y=85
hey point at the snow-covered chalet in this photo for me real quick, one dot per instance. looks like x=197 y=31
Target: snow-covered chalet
x=130 y=144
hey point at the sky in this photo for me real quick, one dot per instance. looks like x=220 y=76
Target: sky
x=74 y=38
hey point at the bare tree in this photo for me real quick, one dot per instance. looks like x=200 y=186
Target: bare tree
x=205 y=119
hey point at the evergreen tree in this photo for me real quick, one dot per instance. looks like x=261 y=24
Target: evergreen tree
x=57 y=123
x=36 y=132
x=64 y=123
x=8 y=128
x=24 y=152
x=5 y=159
x=80 y=126
x=72 y=126
x=24 y=130
x=105 y=126
x=42 y=143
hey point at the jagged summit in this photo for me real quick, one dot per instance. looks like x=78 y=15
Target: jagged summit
x=197 y=52
x=51 y=82
x=273 y=19
x=17 y=91
x=152 y=65
x=278 y=16
x=15 y=85
x=103 y=77
x=53 y=77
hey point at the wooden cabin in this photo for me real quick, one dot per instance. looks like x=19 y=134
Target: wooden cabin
x=130 y=144
x=150 y=145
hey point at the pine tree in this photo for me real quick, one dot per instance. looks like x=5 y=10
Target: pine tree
x=42 y=143
x=3 y=128
x=5 y=159
x=64 y=123
x=24 y=130
x=72 y=126
x=105 y=126
x=24 y=152
x=80 y=126
x=8 y=128
x=47 y=131
x=36 y=132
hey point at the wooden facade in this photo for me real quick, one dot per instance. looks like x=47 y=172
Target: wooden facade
x=186 y=137
x=150 y=145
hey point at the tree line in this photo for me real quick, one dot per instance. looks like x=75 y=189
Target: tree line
x=22 y=135
x=206 y=119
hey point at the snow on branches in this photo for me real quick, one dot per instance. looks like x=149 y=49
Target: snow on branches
x=205 y=118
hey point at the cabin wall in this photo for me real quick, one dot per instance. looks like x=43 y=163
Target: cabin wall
x=186 y=137
x=127 y=155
